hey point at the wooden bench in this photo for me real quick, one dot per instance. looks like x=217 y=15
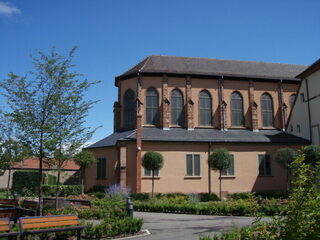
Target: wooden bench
x=12 y=213
x=66 y=202
x=29 y=207
x=9 y=203
x=47 y=224
x=5 y=229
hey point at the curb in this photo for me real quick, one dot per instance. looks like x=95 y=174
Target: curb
x=146 y=232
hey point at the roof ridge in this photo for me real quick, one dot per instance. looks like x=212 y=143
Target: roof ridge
x=233 y=60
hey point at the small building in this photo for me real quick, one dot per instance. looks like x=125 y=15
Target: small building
x=70 y=171
x=305 y=116
x=185 y=108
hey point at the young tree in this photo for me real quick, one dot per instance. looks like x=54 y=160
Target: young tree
x=220 y=159
x=312 y=154
x=285 y=156
x=84 y=159
x=49 y=107
x=152 y=161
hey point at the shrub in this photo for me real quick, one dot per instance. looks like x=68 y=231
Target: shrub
x=140 y=196
x=97 y=188
x=64 y=190
x=116 y=192
x=111 y=227
x=207 y=197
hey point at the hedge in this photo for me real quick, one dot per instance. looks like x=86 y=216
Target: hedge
x=234 y=208
x=64 y=190
x=25 y=182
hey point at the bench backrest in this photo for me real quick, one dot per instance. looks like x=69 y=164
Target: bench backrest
x=82 y=203
x=9 y=202
x=29 y=223
x=29 y=204
x=4 y=224
x=9 y=213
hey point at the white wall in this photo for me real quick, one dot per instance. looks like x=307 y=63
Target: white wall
x=300 y=115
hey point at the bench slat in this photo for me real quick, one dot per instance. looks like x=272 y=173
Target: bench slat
x=50 y=224
x=48 y=219
x=4 y=228
x=4 y=222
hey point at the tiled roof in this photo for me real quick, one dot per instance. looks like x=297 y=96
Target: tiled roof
x=33 y=163
x=202 y=135
x=214 y=67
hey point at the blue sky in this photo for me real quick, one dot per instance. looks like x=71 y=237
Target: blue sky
x=113 y=35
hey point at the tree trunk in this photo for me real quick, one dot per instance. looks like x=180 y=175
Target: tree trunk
x=8 y=184
x=57 y=188
x=220 y=184
x=82 y=179
x=40 y=184
x=152 y=182
x=209 y=178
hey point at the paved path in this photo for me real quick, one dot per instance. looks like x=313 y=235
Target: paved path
x=184 y=226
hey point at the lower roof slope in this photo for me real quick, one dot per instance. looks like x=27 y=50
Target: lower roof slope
x=201 y=135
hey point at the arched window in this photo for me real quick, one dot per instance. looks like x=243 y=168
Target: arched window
x=267 y=110
x=291 y=100
x=177 y=112
x=236 y=109
x=205 y=108
x=152 y=106
x=129 y=109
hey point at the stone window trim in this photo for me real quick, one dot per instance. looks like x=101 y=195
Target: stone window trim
x=236 y=110
x=205 y=116
x=152 y=109
x=267 y=111
x=193 y=165
x=177 y=108
x=265 y=165
x=101 y=171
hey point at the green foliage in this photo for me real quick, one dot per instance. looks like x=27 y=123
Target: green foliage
x=241 y=195
x=113 y=227
x=311 y=154
x=220 y=159
x=97 y=188
x=140 y=196
x=52 y=179
x=208 y=197
x=235 y=208
x=285 y=156
x=302 y=209
x=25 y=182
x=84 y=159
x=64 y=190
x=152 y=160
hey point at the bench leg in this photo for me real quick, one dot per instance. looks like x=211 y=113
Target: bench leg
x=78 y=234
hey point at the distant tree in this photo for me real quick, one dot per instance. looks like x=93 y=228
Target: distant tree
x=220 y=159
x=312 y=154
x=285 y=156
x=84 y=159
x=152 y=161
x=48 y=107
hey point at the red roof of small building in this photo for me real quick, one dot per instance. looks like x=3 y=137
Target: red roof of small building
x=33 y=163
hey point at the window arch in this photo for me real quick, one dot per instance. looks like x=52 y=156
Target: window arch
x=236 y=109
x=205 y=108
x=152 y=106
x=129 y=109
x=292 y=99
x=267 y=110
x=177 y=108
